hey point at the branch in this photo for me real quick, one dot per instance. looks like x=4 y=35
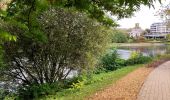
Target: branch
x=29 y=13
x=65 y=76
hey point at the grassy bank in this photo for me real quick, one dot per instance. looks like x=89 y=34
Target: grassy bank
x=101 y=81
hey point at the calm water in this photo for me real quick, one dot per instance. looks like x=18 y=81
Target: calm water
x=125 y=51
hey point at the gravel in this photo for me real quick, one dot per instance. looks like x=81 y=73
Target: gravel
x=126 y=88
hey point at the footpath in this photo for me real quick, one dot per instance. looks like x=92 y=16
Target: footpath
x=157 y=84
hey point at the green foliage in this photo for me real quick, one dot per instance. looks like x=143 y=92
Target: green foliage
x=51 y=40
x=36 y=91
x=74 y=42
x=77 y=85
x=96 y=83
x=3 y=94
x=1 y=57
x=131 y=40
x=4 y=36
x=168 y=37
x=110 y=62
x=119 y=37
x=138 y=58
x=135 y=54
x=94 y=8
x=120 y=62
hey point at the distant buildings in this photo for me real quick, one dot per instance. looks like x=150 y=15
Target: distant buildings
x=136 y=31
x=158 y=30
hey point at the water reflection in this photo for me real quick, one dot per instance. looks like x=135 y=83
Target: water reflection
x=154 y=50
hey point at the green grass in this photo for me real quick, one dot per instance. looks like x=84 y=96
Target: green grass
x=168 y=43
x=103 y=81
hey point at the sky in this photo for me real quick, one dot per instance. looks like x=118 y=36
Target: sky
x=145 y=17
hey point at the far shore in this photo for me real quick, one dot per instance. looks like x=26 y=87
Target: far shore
x=137 y=44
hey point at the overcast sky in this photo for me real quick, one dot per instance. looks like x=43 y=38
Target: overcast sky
x=145 y=17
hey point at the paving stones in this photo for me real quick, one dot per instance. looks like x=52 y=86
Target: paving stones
x=157 y=85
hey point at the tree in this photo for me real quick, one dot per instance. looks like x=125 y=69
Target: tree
x=164 y=13
x=73 y=43
x=119 y=37
x=146 y=31
x=94 y=8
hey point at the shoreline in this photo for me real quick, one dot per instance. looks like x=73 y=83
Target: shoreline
x=137 y=44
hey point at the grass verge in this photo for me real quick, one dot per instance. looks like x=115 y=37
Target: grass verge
x=103 y=80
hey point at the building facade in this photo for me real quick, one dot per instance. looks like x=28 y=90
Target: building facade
x=136 y=31
x=158 y=30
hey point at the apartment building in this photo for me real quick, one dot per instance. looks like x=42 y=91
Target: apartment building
x=159 y=28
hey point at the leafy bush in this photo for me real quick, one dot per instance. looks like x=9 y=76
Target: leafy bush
x=130 y=40
x=78 y=85
x=78 y=82
x=110 y=62
x=35 y=91
x=137 y=58
x=120 y=62
x=73 y=42
x=3 y=94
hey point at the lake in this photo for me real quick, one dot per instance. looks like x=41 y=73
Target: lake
x=147 y=49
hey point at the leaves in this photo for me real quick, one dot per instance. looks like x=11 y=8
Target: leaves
x=7 y=37
x=94 y=8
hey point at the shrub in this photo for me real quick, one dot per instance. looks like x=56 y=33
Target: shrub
x=35 y=91
x=3 y=93
x=130 y=40
x=110 y=62
x=120 y=62
x=137 y=58
x=78 y=85
x=74 y=42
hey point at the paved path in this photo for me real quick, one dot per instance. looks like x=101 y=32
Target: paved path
x=157 y=85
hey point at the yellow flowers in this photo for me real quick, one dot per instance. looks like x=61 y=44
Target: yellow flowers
x=134 y=54
x=77 y=85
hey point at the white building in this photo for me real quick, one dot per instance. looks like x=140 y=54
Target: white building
x=136 y=31
x=159 y=28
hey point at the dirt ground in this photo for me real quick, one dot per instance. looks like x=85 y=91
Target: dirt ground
x=126 y=88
